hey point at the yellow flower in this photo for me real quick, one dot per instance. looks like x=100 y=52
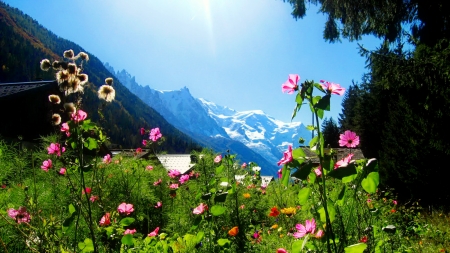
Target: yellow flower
x=289 y=211
x=246 y=195
x=274 y=226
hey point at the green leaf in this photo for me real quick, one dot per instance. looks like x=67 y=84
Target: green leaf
x=199 y=237
x=285 y=174
x=320 y=113
x=324 y=103
x=341 y=196
x=370 y=183
x=220 y=169
x=88 y=125
x=310 y=127
x=68 y=223
x=298 y=153
x=349 y=178
x=206 y=196
x=331 y=212
x=126 y=221
x=356 y=248
x=303 y=171
x=212 y=181
x=218 y=210
x=221 y=197
x=90 y=143
x=72 y=209
x=127 y=240
x=223 y=242
x=86 y=246
x=342 y=172
x=319 y=87
x=197 y=221
x=303 y=195
x=312 y=177
x=299 y=100
x=297 y=246
x=313 y=141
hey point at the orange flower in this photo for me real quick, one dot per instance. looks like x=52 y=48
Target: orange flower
x=274 y=212
x=246 y=195
x=289 y=211
x=275 y=226
x=234 y=231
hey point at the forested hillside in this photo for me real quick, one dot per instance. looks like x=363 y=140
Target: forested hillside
x=24 y=43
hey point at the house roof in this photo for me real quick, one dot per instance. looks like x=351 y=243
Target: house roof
x=181 y=163
x=9 y=89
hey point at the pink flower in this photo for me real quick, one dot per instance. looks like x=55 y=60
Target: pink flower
x=155 y=134
x=20 y=215
x=200 y=209
x=105 y=220
x=149 y=167
x=125 y=208
x=93 y=198
x=129 y=231
x=218 y=159
x=154 y=232
x=290 y=86
x=287 y=156
x=79 y=116
x=157 y=182
x=348 y=139
x=332 y=88
x=86 y=190
x=279 y=173
x=242 y=207
x=369 y=200
x=138 y=150
x=47 y=164
x=344 y=162
x=173 y=173
x=184 y=179
x=65 y=128
x=144 y=142
x=55 y=148
x=62 y=171
x=281 y=250
x=244 y=165
x=319 y=234
x=142 y=131
x=173 y=186
x=107 y=159
x=318 y=171
x=394 y=202
x=158 y=204
x=309 y=228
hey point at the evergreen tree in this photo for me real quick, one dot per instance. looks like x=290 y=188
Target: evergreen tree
x=330 y=131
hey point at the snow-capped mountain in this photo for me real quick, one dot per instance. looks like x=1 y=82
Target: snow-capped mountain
x=258 y=131
x=253 y=135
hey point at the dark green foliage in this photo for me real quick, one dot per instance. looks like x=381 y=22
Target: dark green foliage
x=24 y=43
x=330 y=132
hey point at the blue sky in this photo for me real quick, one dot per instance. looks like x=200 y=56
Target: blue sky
x=231 y=52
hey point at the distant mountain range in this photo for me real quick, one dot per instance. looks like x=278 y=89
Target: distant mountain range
x=253 y=135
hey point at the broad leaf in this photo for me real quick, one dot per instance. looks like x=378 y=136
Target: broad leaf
x=285 y=175
x=221 y=197
x=72 y=209
x=303 y=171
x=127 y=240
x=297 y=246
x=303 y=195
x=126 y=221
x=298 y=153
x=86 y=246
x=90 y=143
x=220 y=169
x=342 y=172
x=356 y=248
x=223 y=242
x=370 y=183
x=341 y=196
x=324 y=103
x=218 y=210
x=331 y=212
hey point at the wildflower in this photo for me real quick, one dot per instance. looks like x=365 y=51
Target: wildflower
x=234 y=231
x=142 y=131
x=45 y=65
x=83 y=56
x=157 y=182
x=394 y=202
x=393 y=211
x=79 y=116
x=319 y=234
x=93 y=198
x=244 y=165
x=125 y=208
x=149 y=167
x=364 y=239
x=107 y=159
x=281 y=250
x=105 y=220
x=56 y=119
x=290 y=86
x=55 y=148
x=144 y=142
x=218 y=159
x=200 y=209
x=184 y=179
x=242 y=207
x=70 y=108
x=109 y=81
x=68 y=54
x=107 y=93
x=47 y=164
x=369 y=200
x=154 y=232
x=309 y=228
x=155 y=134
x=274 y=212
x=289 y=211
x=20 y=215
x=158 y=204
x=274 y=226
x=279 y=173
x=287 y=156
x=55 y=99
x=332 y=88
x=257 y=236
x=129 y=231
x=86 y=190
x=62 y=171
x=344 y=162
x=173 y=173
x=348 y=139
x=318 y=171
x=138 y=150
x=72 y=68
x=173 y=186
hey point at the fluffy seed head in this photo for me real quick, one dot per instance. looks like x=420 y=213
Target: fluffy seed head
x=68 y=54
x=56 y=65
x=70 y=108
x=55 y=99
x=56 y=119
x=83 y=56
x=72 y=68
x=83 y=78
x=109 y=81
x=62 y=76
x=45 y=65
x=107 y=93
